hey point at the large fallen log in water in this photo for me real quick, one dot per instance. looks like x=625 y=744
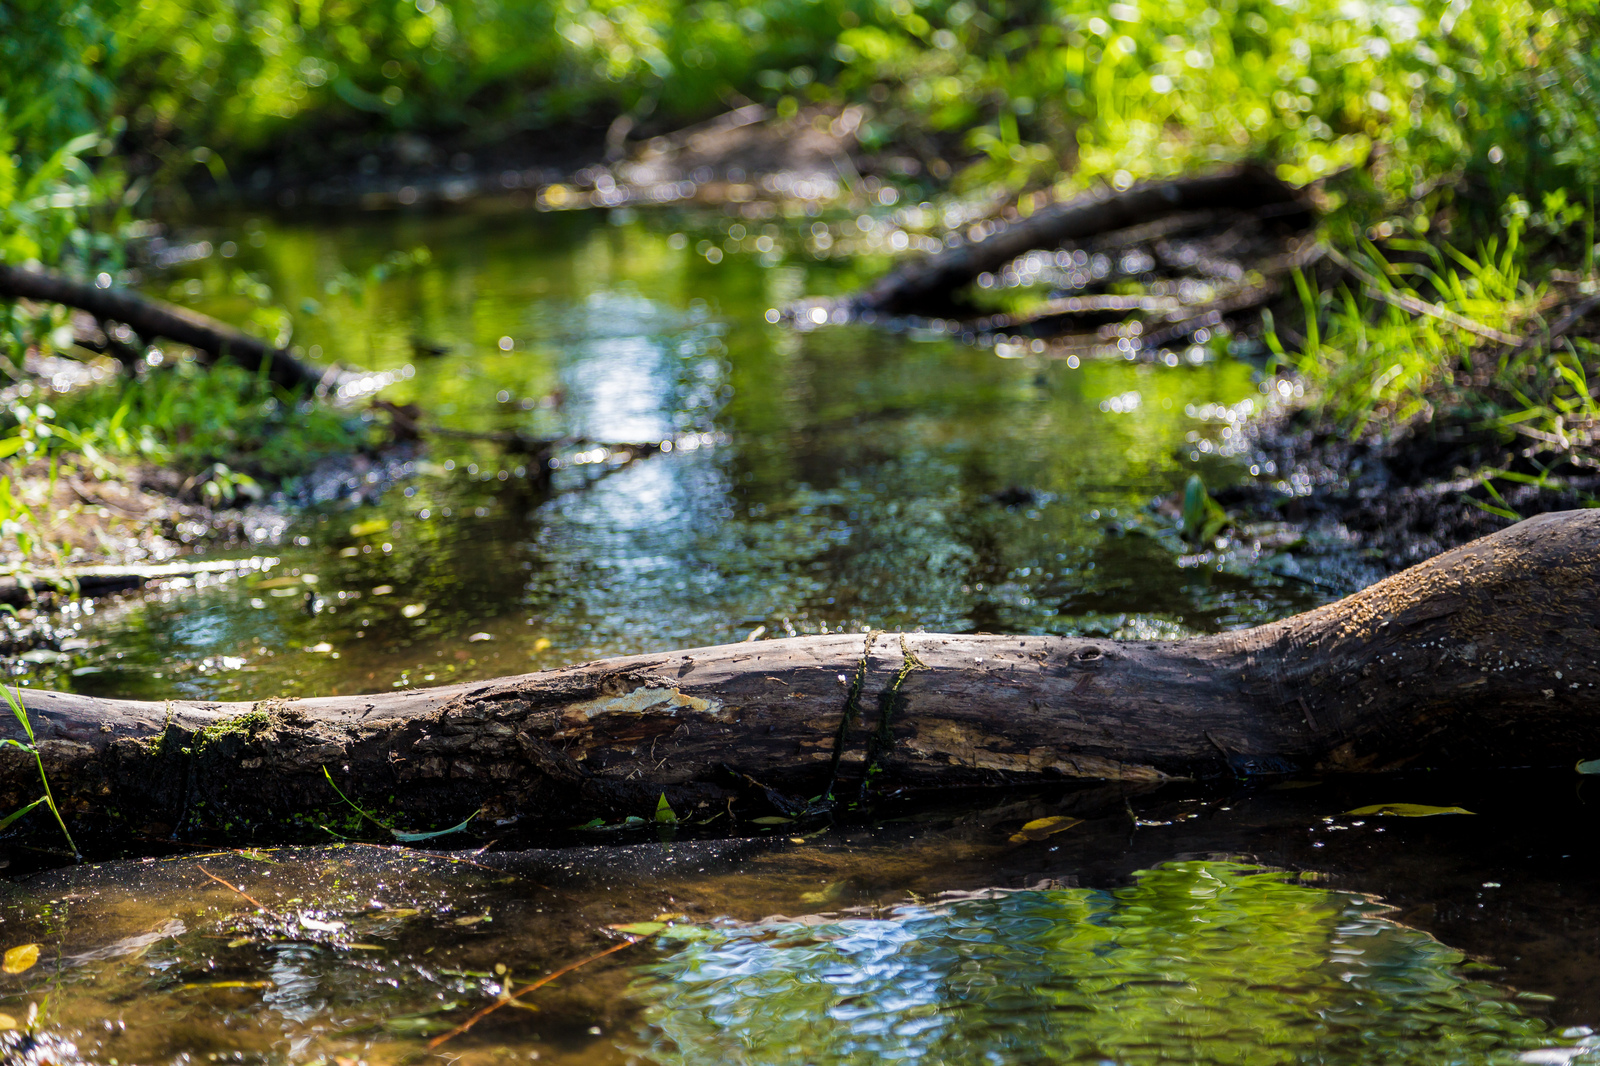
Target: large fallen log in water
x=1487 y=656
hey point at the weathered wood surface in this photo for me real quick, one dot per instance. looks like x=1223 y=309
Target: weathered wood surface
x=1487 y=656
x=927 y=284
x=153 y=318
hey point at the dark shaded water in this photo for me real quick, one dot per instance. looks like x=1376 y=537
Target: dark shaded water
x=820 y=481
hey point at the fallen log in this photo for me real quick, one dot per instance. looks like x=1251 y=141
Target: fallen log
x=26 y=586
x=926 y=285
x=1485 y=656
x=150 y=318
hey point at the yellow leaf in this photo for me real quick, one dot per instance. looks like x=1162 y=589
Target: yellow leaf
x=1408 y=810
x=367 y=529
x=20 y=958
x=8 y=1022
x=1040 y=828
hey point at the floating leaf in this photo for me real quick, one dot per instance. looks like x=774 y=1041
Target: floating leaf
x=1588 y=766
x=771 y=819
x=368 y=528
x=633 y=821
x=1040 y=828
x=225 y=984
x=664 y=811
x=593 y=823
x=413 y=837
x=20 y=958
x=639 y=928
x=1408 y=810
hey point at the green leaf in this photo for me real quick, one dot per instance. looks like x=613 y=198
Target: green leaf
x=1408 y=810
x=771 y=819
x=1040 y=828
x=664 y=812
x=1588 y=766
x=406 y=838
x=367 y=529
x=14 y=815
x=640 y=928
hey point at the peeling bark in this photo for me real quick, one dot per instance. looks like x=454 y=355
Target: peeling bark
x=1485 y=656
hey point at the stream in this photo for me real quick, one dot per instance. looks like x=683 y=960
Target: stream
x=820 y=480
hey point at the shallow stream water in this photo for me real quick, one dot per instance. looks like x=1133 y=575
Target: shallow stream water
x=820 y=481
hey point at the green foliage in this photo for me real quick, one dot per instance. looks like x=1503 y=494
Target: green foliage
x=32 y=747
x=1504 y=91
x=224 y=423
x=1203 y=517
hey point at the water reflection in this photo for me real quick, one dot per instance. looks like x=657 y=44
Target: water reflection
x=367 y=953
x=1196 y=962
x=848 y=477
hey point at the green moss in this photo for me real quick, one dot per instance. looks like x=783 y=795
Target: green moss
x=245 y=725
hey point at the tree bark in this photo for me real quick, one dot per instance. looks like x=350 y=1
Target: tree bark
x=1485 y=656
x=926 y=285
x=151 y=318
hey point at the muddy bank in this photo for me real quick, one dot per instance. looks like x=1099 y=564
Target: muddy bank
x=1392 y=501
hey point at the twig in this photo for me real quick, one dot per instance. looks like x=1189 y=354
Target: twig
x=1578 y=312
x=242 y=893
x=519 y=993
x=1373 y=287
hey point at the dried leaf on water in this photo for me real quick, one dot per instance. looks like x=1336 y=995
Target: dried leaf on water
x=20 y=958
x=1040 y=828
x=1408 y=810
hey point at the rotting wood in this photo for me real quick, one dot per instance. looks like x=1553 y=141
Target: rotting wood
x=927 y=284
x=151 y=318
x=1488 y=655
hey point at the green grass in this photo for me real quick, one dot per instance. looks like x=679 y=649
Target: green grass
x=32 y=747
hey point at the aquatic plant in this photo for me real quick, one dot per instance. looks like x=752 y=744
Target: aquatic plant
x=32 y=748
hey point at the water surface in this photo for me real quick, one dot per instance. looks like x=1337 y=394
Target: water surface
x=822 y=480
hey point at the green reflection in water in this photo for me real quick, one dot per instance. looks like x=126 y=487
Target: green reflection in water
x=1196 y=962
x=366 y=953
x=849 y=481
